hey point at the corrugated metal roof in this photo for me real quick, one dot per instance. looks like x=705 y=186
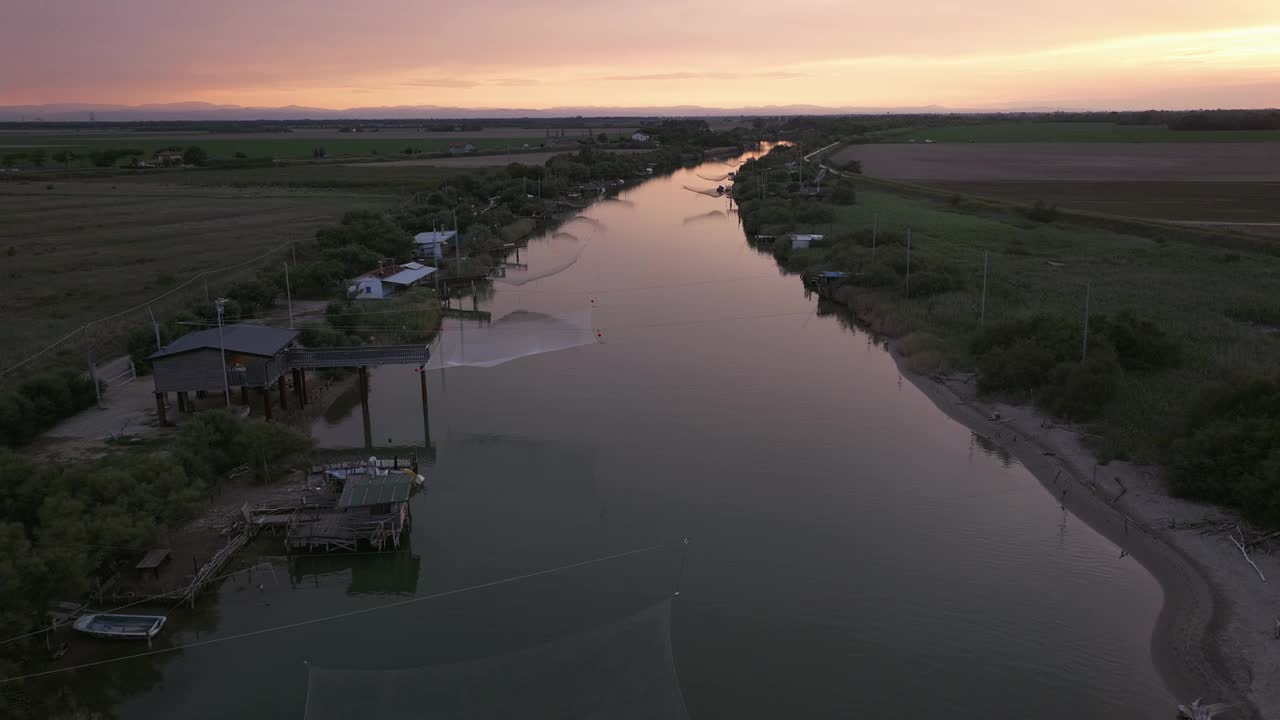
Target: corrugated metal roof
x=239 y=338
x=438 y=236
x=409 y=276
x=365 y=490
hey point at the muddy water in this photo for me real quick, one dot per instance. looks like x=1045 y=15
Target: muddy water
x=644 y=376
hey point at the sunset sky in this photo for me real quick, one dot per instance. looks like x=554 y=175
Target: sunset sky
x=547 y=53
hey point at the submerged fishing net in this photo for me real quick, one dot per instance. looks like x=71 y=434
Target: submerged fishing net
x=710 y=215
x=622 y=670
x=513 y=336
x=714 y=178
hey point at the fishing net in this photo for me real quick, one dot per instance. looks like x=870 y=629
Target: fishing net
x=516 y=335
x=712 y=192
x=714 y=178
x=622 y=670
x=558 y=253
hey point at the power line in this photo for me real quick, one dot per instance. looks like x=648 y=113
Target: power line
x=339 y=616
x=136 y=308
x=139 y=601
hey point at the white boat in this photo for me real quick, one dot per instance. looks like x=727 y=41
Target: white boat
x=124 y=627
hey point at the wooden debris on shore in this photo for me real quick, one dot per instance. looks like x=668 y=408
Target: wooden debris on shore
x=1246 y=556
x=1196 y=711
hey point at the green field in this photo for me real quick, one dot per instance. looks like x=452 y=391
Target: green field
x=1221 y=303
x=364 y=177
x=223 y=147
x=1015 y=132
x=78 y=251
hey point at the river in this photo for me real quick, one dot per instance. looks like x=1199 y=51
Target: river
x=648 y=377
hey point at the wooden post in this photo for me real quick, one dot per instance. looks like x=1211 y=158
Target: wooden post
x=302 y=376
x=297 y=388
x=160 y=409
x=266 y=402
x=426 y=415
x=182 y=401
x=364 y=406
x=284 y=394
x=244 y=394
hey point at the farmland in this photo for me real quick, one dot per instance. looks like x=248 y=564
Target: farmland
x=1071 y=132
x=295 y=144
x=473 y=161
x=1025 y=162
x=80 y=251
x=1196 y=182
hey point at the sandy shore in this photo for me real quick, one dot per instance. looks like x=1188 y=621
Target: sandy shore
x=1215 y=637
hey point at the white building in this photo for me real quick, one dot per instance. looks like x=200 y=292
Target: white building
x=640 y=137
x=802 y=242
x=434 y=244
x=386 y=281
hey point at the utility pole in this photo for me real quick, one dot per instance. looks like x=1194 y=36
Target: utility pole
x=288 y=293
x=982 y=313
x=908 y=263
x=875 y=230
x=222 y=347
x=294 y=247
x=155 y=325
x=93 y=371
x=457 y=243
x=1084 y=351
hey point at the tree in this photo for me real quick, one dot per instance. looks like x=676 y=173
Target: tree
x=195 y=155
x=37 y=157
x=602 y=138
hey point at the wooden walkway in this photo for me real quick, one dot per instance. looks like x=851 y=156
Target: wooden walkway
x=365 y=356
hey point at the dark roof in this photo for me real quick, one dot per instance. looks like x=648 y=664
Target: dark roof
x=241 y=338
x=365 y=490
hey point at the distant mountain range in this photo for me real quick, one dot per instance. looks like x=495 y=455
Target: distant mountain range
x=82 y=112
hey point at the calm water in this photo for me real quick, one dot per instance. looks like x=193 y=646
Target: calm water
x=852 y=550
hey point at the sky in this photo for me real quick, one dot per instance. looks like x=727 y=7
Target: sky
x=1105 y=54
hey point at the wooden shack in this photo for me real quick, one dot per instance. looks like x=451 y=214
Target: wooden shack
x=373 y=509
x=255 y=357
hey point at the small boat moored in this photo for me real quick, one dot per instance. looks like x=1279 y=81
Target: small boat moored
x=123 y=627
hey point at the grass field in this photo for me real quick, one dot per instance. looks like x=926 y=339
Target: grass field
x=1220 y=303
x=379 y=178
x=1209 y=202
x=1041 y=162
x=278 y=145
x=1013 y=132
x=82 y=251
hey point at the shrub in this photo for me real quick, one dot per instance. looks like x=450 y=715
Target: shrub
x=1042 y=212
x=1139 y=344
x=1018 y=355
x=877 y=275
x=844 y=193
x=1229 y=450
x=41 y=402
x=932 y=282
x=1080 y=390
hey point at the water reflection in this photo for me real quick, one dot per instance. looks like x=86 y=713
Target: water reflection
x=387 y=573
x=709 y=215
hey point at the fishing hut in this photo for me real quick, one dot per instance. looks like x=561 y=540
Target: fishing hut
x=373 y=509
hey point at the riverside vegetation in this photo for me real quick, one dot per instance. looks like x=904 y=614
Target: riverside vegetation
x=1181 y=365
x=64 y=527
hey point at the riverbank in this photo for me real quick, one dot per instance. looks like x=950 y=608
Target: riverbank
x=1214 y=638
